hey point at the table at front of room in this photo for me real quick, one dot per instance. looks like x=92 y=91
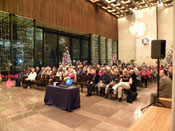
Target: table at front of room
x=64 y=98
x=154 y=119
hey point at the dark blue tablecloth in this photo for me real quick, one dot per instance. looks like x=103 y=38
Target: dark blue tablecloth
x=64 y=98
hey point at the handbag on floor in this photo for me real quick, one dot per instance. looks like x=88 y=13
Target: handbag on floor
x=132 y=96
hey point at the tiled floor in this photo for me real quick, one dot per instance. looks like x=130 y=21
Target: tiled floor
x=24 y=110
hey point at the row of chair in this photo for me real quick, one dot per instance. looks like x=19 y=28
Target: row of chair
x=43 y=81
x=83 y=80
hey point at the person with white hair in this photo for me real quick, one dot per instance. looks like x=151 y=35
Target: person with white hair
x=48 y=71
x=42 y=71
x=31 y=77
x=125 y=83
x=70 y=74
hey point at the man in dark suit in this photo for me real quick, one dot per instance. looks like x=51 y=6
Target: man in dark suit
x=165 y=89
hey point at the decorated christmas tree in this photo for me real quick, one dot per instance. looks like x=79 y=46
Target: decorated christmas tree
x=66 y=57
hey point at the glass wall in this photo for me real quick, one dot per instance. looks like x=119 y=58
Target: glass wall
x=85 y=51
x=18 y=46
x=23 y=43
x=75 y=50
x=50 y=49
x=39 y=47
x=4 y=41
x=64 y=41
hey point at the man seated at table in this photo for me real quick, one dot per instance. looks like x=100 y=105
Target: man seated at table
x=31 y=77
x=165 y=89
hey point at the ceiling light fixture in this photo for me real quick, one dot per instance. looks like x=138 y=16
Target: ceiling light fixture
x=137 y=28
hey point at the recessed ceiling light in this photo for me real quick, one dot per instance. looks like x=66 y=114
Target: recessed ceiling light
x=160 y=4
x=110 y=1
x=94 y=1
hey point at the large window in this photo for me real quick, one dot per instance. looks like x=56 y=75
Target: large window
x=50 y=49
x=85 y=51
x=4 y=41
x=75 y=50
x=39 y=47
x=17 y=44
x=63 y=43
x=23 y=43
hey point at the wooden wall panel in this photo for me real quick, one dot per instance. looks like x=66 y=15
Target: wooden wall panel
x=77 y=15
x=53 y=13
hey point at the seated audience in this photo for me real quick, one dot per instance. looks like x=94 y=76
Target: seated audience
x=120 y=70
x=145 y=74
x=52 y=75
x=103 y=81
x=101 y=71
x=165 y=89
x=42 y=71
x=143 y=64
x=0 y=77
x=26 y=75
x=85 y=69
x=114 y=80
x=64 y=72
x=48 y=71
x=79 y=70
x=69 y=75
x=170 y=72
x=20 y=76
x=125 y=83
x=31 y=77
x=59 y=73
x=133 y=76
x=90 y=70
x=138 y=76
x=153 y=71
x=93 y=81
x=100 y=79
x=61 y=67
x=37 y=70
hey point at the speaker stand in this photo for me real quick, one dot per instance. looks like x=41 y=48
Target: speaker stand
x=157 y=101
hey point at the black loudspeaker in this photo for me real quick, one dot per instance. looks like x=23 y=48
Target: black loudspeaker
x=158 y=49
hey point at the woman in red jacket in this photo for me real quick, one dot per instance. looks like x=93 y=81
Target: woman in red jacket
x=145 y=74
x=69 y=75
